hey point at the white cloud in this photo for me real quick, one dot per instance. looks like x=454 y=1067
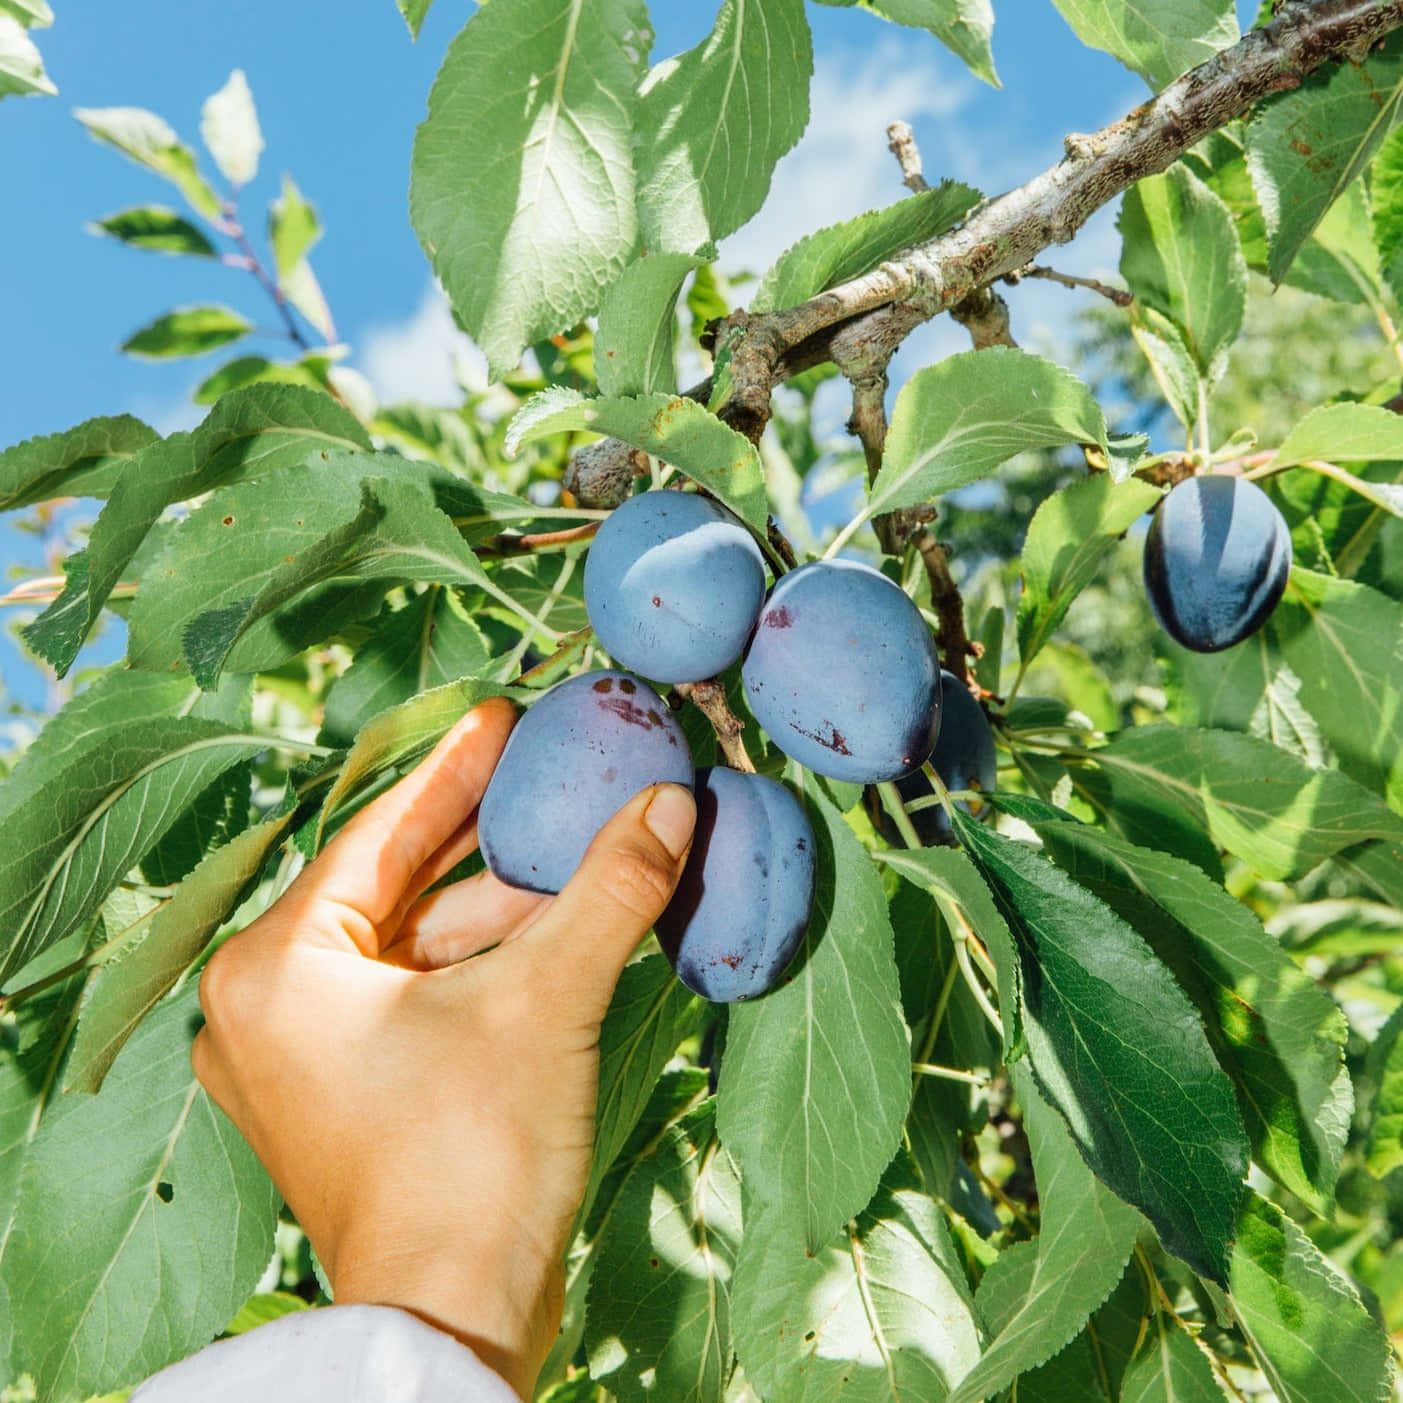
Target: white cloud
x=421 y=357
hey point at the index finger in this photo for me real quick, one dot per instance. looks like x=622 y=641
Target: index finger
x=372 y=862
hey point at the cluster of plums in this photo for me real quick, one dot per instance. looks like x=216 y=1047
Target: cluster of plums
x=840 y=669
x=1217 y=558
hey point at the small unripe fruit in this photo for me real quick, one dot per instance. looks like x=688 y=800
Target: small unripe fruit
x=672 y=584
x=746 y=892
x=571 y=763
x=843 y=673
x=1217 y=558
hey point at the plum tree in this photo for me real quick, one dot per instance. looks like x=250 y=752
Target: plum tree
x=843 y=673
x=673 y=584
x=963 y=757
x=743 y=903
x=578 y=755
x=1216 y=561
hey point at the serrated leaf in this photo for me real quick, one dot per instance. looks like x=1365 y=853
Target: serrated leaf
x=713 y=123
x=180 y=1198
x=105 y=807
x=522 y=186
x=1171 y=363
x=155 y=227
x=1158 y=39
x=250 y=433
x=1344 y=641
x=817 y=1076
x=229 y=129
x=957 y=420
x=1386 y=191
x=633 y=350
x=188 y=331
x=1302 y=1317
x=127 y=987
x=1384 y=1152
x=1265 y=806
x=1339 y=260
x=152 y=143
x=81 y=462
x=1275 y=1031
x=293 y=228
x=659 y=1320
x=414 y=12
x=671 y=427
x=21 y=64
x=427 y=643
x=963 y=26
x=1119 y=1050
x=1069 y=536
x=843 y=251
x=1304 y=148
x=1037 y=1296
x=879 y=1314
x=1180 y=256
x=1170 y=1368
x=1343 y=433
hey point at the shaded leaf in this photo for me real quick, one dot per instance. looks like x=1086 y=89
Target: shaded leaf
x=190 y=331
x=81 y=462
x=1385 y=1147
x=633 y=350
x=1386 y=191
x=1170 y=1368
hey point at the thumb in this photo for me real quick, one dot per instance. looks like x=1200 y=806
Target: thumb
x=583 y=939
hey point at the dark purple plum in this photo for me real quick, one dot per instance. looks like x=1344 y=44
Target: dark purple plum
x=1217 y=558
x=571 y=763
x=743 y=903
x=843 y=673
x=963 y=757
x=673 y=583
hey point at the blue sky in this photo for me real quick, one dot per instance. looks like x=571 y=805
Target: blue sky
x=340 y=89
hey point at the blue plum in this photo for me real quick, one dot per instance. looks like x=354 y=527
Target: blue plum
x=673 y=583
x=843 y=674
x=1217 y=558
x=746 y=892
x=963 y=757
x=571 y=763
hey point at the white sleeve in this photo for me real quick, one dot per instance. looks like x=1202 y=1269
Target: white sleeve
x=340 y=1354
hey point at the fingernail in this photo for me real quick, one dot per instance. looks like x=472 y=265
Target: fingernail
x=671 y=817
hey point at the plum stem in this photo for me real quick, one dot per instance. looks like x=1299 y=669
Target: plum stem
x=929 y=1069
x=709 y=697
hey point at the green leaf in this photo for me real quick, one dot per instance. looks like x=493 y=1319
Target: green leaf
x=1344 y=641
x=304 y=292
x=262 y=1308
x=957 y=420
x=650 y=1013
x=1267 y=807
x=1304 y=1320
x=1181 y=257
x=713 y=123
x=522 y=188
x=1339 y=260
x=180 y=1199
x=104 y=808
x=1343 y=433
x=128 y=986
x=293 y=228
x=1171 y=363
x=1386 y=191
x=1158 y=39
x=414 y=12
x=633 y=351
x=1304 y=148
x=880 y=1314
x=1119 y=1050
x=229 y=128
x=427 y=643
x=1038 y=1295
x=155 y=227
x=397 y=537
x=817 y=1074
x=150 y=142
x=963 y=26
x=1385 y=1147
x=189 y=331
x=1070 y=534
x=843 y=251
x=671 y=427
x=1274 y=1030
x=21 y=65
x=82 y=462
x=253 y=370
x=659 y=1318
x=1170 y=1368
x=32 y=14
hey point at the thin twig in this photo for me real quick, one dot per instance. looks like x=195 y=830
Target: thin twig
x=956 y=649
x=1118 y=295
x=546 y=540
x=709 y=697
x=235 y=231
x=901 y=142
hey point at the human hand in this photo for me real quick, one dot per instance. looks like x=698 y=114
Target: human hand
x=431 y=1122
